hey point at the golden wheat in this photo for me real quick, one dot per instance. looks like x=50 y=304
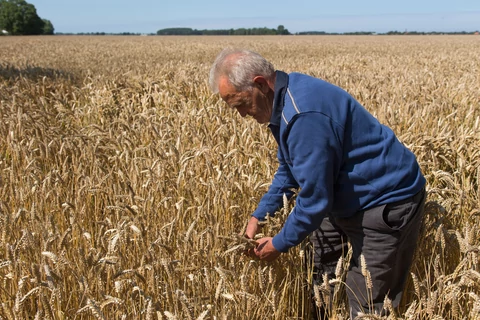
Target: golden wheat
x=124 y=182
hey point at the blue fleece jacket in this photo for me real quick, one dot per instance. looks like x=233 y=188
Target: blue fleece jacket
x=339 y=156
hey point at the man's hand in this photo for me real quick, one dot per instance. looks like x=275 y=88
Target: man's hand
x=265 y=250
x=250 y=232
x=252 y=228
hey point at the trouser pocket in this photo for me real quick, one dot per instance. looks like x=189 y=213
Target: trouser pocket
x=395 y=216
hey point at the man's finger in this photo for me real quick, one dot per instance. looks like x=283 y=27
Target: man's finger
x=251 y=253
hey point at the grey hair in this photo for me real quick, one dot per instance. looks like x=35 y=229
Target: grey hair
x=240 y=66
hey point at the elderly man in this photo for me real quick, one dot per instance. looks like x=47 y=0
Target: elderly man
x=357 y=182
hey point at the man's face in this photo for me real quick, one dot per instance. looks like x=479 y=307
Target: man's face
x=252 y=102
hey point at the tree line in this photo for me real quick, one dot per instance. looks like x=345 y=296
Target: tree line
x=17 y=17
x=224 y=32
x=359 y=33
x=282 y=31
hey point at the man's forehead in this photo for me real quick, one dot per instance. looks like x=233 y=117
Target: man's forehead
x=226 y=89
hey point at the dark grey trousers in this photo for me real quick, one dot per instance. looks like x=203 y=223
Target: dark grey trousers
x=386 y=236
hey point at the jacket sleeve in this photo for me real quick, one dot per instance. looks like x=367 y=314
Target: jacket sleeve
x=315 y=149
x=283 y=182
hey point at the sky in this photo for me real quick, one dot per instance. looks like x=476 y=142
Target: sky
x=148 y=16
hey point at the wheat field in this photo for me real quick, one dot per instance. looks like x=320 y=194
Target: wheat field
x=124 y=181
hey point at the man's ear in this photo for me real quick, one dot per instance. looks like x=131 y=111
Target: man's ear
x=262 y=83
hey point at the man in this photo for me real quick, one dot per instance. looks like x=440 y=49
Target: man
x=357 y=181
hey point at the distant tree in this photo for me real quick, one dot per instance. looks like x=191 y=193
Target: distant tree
x=281 y=30
x=240 y=32
x=359 y=33
x=175 y=31
x=20 y=18
x=47 y=27
x=312 y=33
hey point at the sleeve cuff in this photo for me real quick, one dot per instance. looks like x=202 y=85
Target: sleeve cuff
x=261 y=215
x=279 y=244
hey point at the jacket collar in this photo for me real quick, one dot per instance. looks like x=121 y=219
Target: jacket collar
x=281 y=83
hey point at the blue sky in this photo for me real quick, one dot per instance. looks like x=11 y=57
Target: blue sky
x=148 y=16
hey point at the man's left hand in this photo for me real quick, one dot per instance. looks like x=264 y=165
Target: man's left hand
x=265 y=250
